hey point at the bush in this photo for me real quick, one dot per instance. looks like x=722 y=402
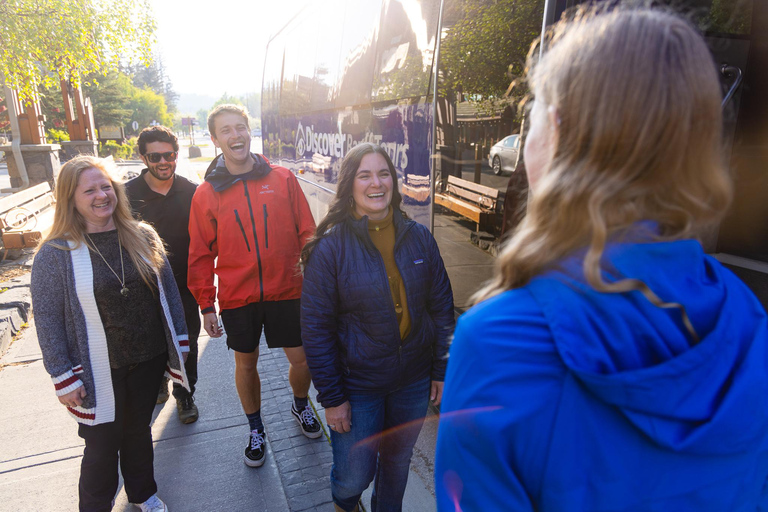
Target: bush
x=55 y=136
x=118 y=151
x=133 y=147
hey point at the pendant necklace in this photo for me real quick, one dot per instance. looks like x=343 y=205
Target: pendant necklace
x=123 y=289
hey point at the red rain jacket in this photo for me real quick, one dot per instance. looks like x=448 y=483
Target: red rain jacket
x=256 y=224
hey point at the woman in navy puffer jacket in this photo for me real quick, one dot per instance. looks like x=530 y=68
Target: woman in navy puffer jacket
x=376 y=314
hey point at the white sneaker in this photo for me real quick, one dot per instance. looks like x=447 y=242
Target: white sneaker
x=153 y=504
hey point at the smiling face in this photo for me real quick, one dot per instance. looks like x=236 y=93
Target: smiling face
x=372 y=188
x=95 y=200
x=162 y=170
x=232 y=136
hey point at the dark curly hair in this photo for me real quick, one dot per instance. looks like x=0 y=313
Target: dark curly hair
x=340 y=209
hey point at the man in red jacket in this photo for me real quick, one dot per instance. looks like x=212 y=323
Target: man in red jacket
x=254 y=218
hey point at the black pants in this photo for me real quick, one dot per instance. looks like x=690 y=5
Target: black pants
x=192 y=315
x=128 y=440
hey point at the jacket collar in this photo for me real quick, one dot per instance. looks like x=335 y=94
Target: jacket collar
x=220 y=178
x=360 y=226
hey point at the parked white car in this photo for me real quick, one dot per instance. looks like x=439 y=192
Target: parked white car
x=503 y=155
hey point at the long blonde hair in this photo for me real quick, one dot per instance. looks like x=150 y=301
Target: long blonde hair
x=138 y=238
x=639 y=138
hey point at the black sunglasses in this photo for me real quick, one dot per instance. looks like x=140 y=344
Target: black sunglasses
x=170 y=156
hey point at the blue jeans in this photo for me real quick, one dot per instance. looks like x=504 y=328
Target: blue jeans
x=384 y=431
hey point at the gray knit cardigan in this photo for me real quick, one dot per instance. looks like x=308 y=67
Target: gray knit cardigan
x=71 y=334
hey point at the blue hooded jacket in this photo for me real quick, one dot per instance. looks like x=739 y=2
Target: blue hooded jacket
x=560 y=397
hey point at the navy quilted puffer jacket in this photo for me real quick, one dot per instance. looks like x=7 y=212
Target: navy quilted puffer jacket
x=348 y=323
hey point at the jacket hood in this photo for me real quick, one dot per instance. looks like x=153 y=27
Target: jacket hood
x=682 y=393
x=221 y=179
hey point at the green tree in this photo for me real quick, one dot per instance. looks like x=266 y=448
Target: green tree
x=44 y=41
x=110 y=96
x=147 y=107
x=202 y=117
x=485 y=47
x=153 y=76
x=226 y=98
x=253 y=104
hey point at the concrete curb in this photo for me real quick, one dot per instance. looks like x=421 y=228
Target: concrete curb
x=15 y=307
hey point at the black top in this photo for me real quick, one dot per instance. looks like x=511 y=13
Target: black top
x=169 y=214
x=132 y=322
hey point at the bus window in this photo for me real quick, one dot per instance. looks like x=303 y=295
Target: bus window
x=328 y=51
x=731 y=17
x=358 y=48
x=298 y=68
x=270 y=99
x=483 y=49
x=405 y=49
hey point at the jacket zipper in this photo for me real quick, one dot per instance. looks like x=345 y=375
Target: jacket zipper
x=255 y=241
x=266 y=230
x=242 y=230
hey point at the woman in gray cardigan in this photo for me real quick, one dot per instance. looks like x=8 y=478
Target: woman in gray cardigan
x=110 y=324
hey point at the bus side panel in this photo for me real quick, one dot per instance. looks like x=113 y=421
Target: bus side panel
x=314 y=145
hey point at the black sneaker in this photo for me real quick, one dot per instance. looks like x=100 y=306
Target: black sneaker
x=310 y=427
x=255 y=453
x=187 y=409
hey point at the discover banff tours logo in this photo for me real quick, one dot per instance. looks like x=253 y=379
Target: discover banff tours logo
x=337 y=144
x=328 y=144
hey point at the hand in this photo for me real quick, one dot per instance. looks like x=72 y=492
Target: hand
x=212 y=326
x=436 y=394
x=184 y=356
x=339 y=418
x=73 y=398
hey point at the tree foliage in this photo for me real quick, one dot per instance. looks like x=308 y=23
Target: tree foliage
x=153 y=76
x=486 y=45
x=147 y=107
x=110 y=95
x=44 y=41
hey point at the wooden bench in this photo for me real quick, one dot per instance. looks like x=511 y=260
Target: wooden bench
x=476 y=202
x=26 y=217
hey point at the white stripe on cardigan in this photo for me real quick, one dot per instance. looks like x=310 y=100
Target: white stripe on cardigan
x=104 y=412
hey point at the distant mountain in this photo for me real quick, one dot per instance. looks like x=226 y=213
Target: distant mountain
x=191 y=103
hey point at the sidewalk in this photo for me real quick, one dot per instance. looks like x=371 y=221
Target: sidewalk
x=198 y=467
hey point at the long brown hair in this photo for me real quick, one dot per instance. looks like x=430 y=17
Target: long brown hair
x=138 y=238
x=341 y=205
x=639 y=138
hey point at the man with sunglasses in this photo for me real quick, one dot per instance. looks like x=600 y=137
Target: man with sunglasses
x=162 y=198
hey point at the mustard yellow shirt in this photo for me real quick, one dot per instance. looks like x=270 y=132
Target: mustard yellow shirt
x=382 y=233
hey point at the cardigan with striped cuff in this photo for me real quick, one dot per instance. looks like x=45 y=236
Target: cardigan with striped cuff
x=71 y=334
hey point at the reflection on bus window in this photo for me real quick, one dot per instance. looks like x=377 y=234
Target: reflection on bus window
x=724 y=16
x=405 y=50
x=298 y=71
x=484 y=48
x=328 y=50
x=357 y=52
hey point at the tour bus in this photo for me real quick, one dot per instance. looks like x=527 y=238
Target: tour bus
x=437 y=83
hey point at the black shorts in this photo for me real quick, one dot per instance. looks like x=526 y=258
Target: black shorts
x=281 y=321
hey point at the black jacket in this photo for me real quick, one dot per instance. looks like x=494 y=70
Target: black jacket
x=169 y=214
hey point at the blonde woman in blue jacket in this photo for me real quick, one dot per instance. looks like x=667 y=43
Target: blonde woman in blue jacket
x=611 y=364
